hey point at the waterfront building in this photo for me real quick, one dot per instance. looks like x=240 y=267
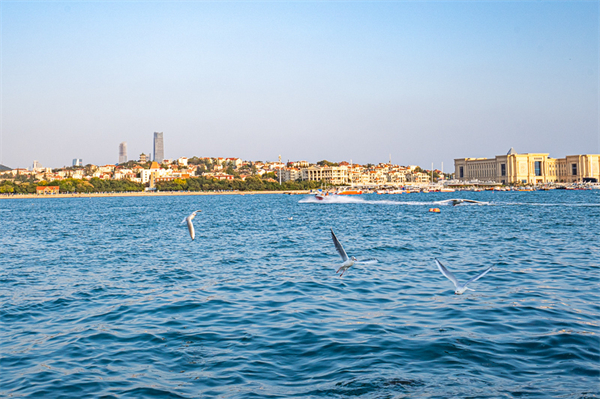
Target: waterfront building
x=159 y=148
x=150 y=175
x=329 y=174
x=123 y=152
x=530 y=168
x=77 y=162
x=397 y=176
x=290 y=174
x=420 y=177
x=47 y=190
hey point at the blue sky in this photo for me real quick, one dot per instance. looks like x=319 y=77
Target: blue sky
x=426 y=82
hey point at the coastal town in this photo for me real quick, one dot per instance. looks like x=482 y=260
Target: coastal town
x=173 y=174
x=155 y=173
x=237 y=174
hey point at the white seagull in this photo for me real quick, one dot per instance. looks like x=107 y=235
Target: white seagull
x=190 y=224
x=460 y=288
x=348 y=262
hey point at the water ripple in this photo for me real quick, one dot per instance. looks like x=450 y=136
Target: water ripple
x=108 y=297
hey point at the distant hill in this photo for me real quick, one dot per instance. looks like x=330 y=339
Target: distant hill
x=3 y=168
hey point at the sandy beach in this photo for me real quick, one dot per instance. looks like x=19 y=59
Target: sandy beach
x=146 y=194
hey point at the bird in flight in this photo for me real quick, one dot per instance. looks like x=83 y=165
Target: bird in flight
x=190 y=224
x=460 y=288
x=348 y=262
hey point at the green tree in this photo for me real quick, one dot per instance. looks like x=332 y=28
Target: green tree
x=327 y=163
x=7 y=187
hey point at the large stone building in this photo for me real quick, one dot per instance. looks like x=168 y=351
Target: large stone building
x=329 y=174
x=538 y=168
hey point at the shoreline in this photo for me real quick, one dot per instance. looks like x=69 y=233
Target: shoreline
x=147 y=194
x=178 y=193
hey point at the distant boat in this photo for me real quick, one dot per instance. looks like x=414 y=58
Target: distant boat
x=350 y=192
x=457 y=201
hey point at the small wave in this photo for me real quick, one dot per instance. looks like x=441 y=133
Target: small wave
x=565 y=204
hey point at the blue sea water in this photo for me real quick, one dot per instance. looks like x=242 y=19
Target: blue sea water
x=110 y=298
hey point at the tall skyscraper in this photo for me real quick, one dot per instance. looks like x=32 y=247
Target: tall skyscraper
x=159 y=147
x=77 y=162
x=123 y=152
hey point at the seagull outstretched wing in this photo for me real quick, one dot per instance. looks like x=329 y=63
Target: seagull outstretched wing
x=449 y=275
x=338 y=247
x=480 y=275
x=366 y=261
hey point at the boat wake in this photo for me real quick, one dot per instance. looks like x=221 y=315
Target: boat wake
x=583 y=204
x=344 y=199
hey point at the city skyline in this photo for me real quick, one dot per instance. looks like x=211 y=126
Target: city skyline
x=158 y=148
x=426 y=82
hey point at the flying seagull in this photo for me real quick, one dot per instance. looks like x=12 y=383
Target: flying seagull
x=348 y=262
x=460 y=288
x=190 y=224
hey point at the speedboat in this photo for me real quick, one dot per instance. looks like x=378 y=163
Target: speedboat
x=321 y=196
x=457 y=201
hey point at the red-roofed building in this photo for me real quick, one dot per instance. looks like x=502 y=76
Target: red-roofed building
x=47 y=190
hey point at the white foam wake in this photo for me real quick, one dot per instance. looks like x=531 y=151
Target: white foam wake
x=346 y=199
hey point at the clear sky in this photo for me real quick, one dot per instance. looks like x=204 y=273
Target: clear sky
x=426 y=82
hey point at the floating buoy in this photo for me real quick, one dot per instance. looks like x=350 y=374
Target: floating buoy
x=435 y=210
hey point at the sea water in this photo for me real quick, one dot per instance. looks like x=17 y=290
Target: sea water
x=110 y=297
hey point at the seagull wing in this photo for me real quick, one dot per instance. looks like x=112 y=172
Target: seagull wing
x=191 y=228
x=338 y=247
x=449 y=275
x=184 y=220
x=480 y=275
x=366 y=261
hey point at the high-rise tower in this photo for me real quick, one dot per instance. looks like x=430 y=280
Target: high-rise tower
x=159 y=148
x=123 y=152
